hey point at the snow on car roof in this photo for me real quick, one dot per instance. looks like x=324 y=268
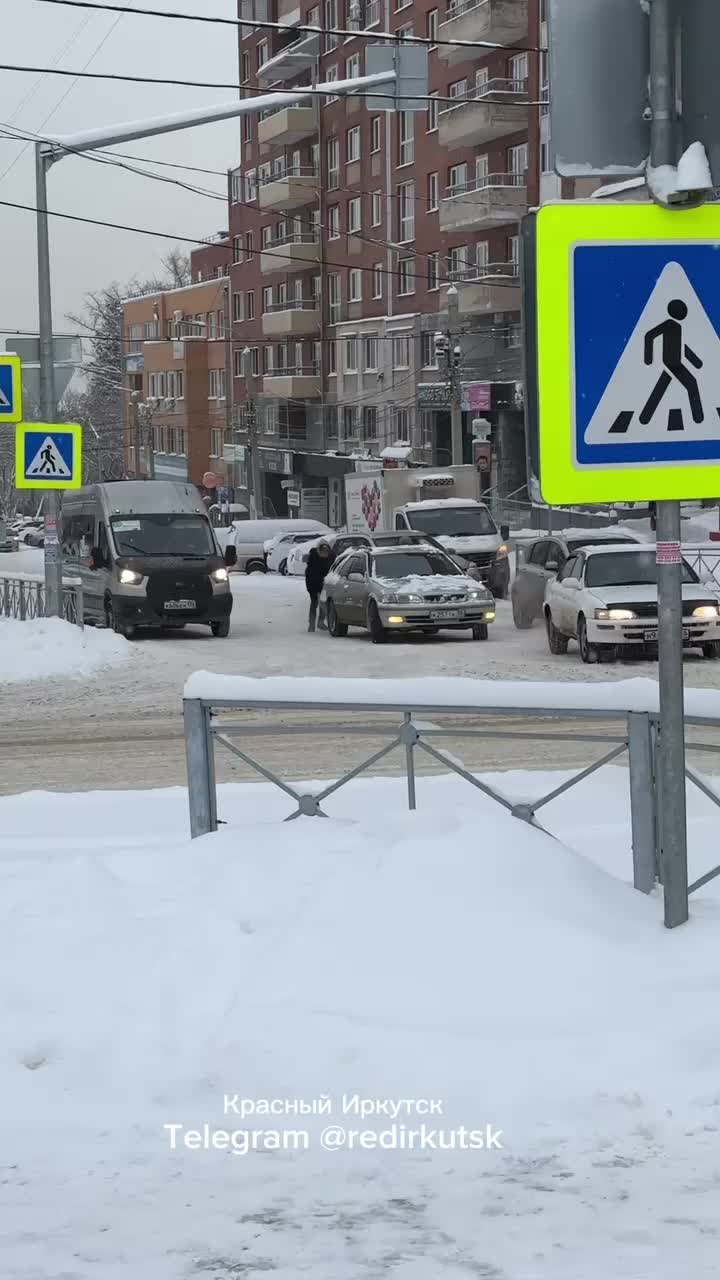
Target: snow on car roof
x=574 y=535
x=446 y=502
x=619 y=549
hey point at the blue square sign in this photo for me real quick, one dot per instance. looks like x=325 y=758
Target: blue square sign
x=11 y=408
x=48 y=456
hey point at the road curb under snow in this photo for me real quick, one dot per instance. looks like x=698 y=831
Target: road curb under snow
x=44 y=648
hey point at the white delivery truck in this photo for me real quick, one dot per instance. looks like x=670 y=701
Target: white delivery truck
x=444 y=504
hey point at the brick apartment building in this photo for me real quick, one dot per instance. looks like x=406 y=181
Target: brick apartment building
x=177 y=357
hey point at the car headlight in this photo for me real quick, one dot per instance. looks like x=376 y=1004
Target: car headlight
x=389 y=597
x=129 y=578
x=410 y=598
x=501 y=552
x=219 y=575
x=614 y=615
x=706 y=611
x=479 y=595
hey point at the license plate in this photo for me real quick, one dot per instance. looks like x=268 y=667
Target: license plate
x=651 y=636
x=449 y=615
x=180 y=604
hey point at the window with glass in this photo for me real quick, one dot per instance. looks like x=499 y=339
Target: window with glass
x=427 y=351
x=406 y=137
x=250 y=305
x=433 y=271
x=457 y=178
x=267 y=297
x=370 y=422
x=376 y=208
x=354 y=214
x=355 y=285
x=431 y=27
x=432 y=113
x=333 y=163
x=370 y=352
x=433 y=192
x=406 y=276
x=401 y=350
x=406 y=211
x=375 y=133
x=377 y=280
x=334 y=222
x=237 y=254
x=331 y=357
x=351 y=353
x=352 y=139
x=352 y=67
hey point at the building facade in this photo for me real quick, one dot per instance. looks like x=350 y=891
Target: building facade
x=349 y=222
x=177 y=353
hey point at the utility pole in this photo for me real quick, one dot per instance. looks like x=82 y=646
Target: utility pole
x=671 y=747
x=454 y=354
x=135 y=428
x=48 y=403
x=150 y=437
x=253 y=471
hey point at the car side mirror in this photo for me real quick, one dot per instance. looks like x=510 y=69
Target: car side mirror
x=230 y=555
x=504 y=532
x=356 y=577
x=553 y=566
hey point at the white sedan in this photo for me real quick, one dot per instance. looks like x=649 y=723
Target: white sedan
x=281 y=547
x=606 y=598
x=340 y=543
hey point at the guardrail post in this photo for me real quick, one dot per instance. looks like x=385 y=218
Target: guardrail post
x=22 y=600
x=79 y=607
x=200 y=768
x=643 y=801
x=6 y=597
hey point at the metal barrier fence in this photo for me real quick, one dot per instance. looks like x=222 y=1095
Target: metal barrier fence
x=704 y=558
x=22 y=596
x=637 y=734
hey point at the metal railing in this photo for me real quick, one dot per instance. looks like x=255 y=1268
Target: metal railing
x=500 y=92
x=486 y=182
x=289 y=171
x=22 y=596
x=704 y=559
x=294 y=304
x=457 y=8
x=634 y=733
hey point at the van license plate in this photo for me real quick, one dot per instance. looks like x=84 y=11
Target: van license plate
x=448 y=615
x=180 y=604
x=651 y=636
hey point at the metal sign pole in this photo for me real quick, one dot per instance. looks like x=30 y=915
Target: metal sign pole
x=53 y=560
x=671 y=754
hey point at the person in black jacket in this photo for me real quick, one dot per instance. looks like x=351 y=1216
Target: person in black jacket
x=319 y=563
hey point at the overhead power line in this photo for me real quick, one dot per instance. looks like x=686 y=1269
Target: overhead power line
x=257 y=24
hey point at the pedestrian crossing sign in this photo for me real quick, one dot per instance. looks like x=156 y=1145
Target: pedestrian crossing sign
x=48 y=455
x=11 y=406
x=628 y=322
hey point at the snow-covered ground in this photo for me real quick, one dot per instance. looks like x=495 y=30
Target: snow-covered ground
x=42 y=648
x=453 y=955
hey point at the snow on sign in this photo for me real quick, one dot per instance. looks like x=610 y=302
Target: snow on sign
x=48 y=456
x=628 y=301
x=11 y=408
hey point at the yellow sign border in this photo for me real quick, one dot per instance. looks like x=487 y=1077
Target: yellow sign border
x=559 y=229
x=54 y=428
x=15 y=364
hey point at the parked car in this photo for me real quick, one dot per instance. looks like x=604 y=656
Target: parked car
x=340 y=543
x=8 y=539
x=277 y=557
x=606 y=598
x=34 y=536
x=249 y=538
x=411 y=537
x=540 y=561
x=407 y=588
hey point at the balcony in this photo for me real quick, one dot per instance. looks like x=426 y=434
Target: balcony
x=301 y=383
x=495 y=110
x=297 y=252
x=499 y=21
x=489 y=201
x=287 y=126
x=294 y=58
x=489 y=288
x=291 y=189
x=291 y=320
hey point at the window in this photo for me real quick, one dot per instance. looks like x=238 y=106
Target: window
x=433 y=191
x=377 y=280
x=351 y=353
x=433 y=271
x=331 y=20
x=237 y=249
x=401 y=424
x=376 y=208
x=545 y=165
x=333 y=291
x=250 y=305
x=246 y=66
x=513 y=251
x=262 y=53
x=238 y=312
x=333 y=163
x=432 y=114
x=402 y=4
x=211 y=324
x=349 y=422
x=265 y=237
x=216 y=389
x=251 y=184
x=236 y=186
x=369 y=422
x=401 y=351
x=406 y=211
x=352 y=67
x=331 y=358
x=427 y=348
x=406 y=137
x=481 y=171
x=267 y=359
x=458 y=262
x=216 y=442
x=332 y=74
x=370 y=352
x=334 y=222
x=237 y=362
x=482 y=80
x=249 y=244
x=255 y=362
x=355 y=285
x=406 y=276
x=353 y=143
x=246 y=128
x=354 y=214
x=518 y=163
x=404 y=33
x=221 y=324
x=482 y=257
x=267 y=297
x=458 y=89
x=458 y=175
x=316 y=282
x=431 y=27
x=519 y=70
x=375 y=133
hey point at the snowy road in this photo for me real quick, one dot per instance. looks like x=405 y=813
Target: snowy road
x=122 y=727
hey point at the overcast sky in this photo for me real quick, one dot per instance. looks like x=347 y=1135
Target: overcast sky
x=83 y=257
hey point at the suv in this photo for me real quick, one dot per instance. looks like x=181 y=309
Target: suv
x=543 y=559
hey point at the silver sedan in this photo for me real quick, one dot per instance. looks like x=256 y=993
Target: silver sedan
x=413 y=588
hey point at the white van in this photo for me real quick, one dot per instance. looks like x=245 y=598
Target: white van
x=249 y=538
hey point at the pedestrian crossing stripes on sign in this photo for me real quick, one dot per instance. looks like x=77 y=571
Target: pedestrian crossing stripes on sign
x=648 y=377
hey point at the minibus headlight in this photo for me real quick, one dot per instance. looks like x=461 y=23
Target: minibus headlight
x=129 y=578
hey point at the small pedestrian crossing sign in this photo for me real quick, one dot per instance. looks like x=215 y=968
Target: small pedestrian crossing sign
x=631 y=409
x=11 y=406
x=48 y=456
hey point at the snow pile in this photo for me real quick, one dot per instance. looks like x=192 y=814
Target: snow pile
x=453 y=955
x=692 y=173
x=45 y=647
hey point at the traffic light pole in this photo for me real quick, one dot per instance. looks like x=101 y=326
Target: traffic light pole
x=672 y=813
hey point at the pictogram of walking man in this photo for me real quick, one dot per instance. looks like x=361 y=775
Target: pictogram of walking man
x=48 y=460
x=673 y=349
